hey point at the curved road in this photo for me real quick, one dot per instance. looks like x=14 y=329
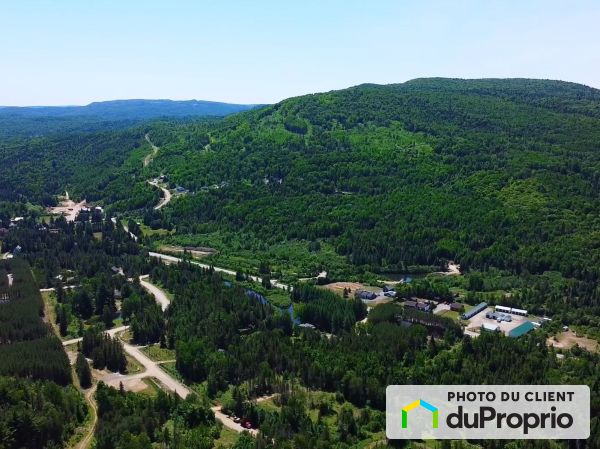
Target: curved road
x=155 y=149
x=160 y=296
x=153 y=369
x=166 y=196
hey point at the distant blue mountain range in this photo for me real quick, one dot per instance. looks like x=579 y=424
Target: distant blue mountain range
x=130 y=109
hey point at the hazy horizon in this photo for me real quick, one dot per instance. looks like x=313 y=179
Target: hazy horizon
x=246 y=104
x=263 y=51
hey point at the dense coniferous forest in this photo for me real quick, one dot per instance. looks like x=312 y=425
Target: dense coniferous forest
x=28 y=347
x=37 y=414
x=325 y=310
x=105 y=351
x=128 y=421
x=39 y=408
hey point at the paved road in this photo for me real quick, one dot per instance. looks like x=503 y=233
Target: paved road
x=174 y=259
x=160 y=296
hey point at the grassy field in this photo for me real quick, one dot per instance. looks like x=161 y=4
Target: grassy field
x=170 y=368
x=126 y=336
x=158 y=354
x=147 y=231
x=133 y=367
x=450 y=314
x=152 y=387
x=227 y=438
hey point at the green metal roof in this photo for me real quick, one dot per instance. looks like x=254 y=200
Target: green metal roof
x=521 y=329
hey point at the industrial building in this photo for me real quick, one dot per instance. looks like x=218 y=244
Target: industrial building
x=490 y=327
x=499 y=316
x=522 y=329
x=474 y=311
x=504 y=309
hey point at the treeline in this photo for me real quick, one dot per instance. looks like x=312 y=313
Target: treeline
x=28 y=347
x=144 y=314
x=310 y=420
x=129 y=420
x=20 y=304
x=394 y=347
x=474 y=361
x=425 y=288
x=73 y=247
x=104 y=350
x=82 y=368
x=36 y=411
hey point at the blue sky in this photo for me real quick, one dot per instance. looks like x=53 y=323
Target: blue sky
x=75 y=52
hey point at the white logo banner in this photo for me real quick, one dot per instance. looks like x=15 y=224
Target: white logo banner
x=517 y=412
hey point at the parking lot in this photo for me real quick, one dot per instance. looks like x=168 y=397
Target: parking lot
x=475 y=323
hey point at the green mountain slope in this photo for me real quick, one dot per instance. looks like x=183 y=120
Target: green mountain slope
x=502 y=173
x=362 y=182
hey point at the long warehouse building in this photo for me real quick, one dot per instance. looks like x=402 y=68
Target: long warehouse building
x=474 y=311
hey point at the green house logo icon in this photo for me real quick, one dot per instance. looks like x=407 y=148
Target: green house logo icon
x=425 y=405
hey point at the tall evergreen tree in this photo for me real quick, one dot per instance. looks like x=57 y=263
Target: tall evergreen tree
x=83 y=371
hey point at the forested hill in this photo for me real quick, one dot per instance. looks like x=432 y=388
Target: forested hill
x=502 y=173
x=556 y=95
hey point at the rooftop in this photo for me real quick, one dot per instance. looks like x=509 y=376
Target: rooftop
x=522 y=329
